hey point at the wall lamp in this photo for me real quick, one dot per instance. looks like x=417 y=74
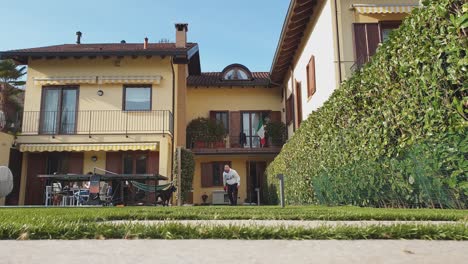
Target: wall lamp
x=100 y=92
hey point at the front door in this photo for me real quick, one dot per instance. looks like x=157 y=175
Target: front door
x=59 y=110
x=255 y=178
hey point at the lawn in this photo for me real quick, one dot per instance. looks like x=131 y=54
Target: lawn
x=79 y=223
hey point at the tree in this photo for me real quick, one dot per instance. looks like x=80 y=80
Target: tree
x=10 y=74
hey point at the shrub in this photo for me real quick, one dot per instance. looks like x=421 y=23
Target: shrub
x=395 y=133
x=187 y=170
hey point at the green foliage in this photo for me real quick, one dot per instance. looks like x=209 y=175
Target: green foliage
x=89 y=223
x=187 y=170
x=205 y=130
x=395 y=133
x=277 y=131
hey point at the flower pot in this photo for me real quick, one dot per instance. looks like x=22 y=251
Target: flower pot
x=199 y=144
x=220 y=144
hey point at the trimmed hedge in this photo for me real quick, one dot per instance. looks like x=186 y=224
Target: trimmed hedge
x=187 y=170
x=395 y=133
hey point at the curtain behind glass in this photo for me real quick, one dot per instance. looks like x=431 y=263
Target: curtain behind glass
x=49 y=111
x=68 y=117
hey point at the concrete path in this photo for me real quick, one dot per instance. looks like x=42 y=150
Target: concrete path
x=285 y=223
x=233 y=251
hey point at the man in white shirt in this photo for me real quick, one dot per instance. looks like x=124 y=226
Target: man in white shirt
x=231 y=182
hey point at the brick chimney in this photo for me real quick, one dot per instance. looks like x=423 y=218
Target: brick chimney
x=181 y=35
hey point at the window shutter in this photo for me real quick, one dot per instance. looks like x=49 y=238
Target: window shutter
x=35 y=186
x=289 y=109
x=206 y=174
x=311 y=81
x=299 y=102
x=75 y=162
x=114 y=162
x=275 y=116
x=373 y=38
x=153 y=162
x=213 y=115
x=366 y=41
x=234 y=128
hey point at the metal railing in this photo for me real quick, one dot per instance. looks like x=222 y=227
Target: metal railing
x=246 y=142
x=94 y=122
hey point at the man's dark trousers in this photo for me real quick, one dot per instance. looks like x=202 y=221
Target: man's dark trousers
x=232 y=193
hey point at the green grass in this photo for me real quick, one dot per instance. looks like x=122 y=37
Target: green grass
x=87 y=223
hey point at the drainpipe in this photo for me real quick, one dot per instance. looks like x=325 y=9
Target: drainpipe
x=173 y=118
x=338 y=42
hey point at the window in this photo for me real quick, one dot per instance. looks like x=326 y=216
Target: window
x=59 y=110
x=289 y=110
x=236 y=72
x=386 y=27
x=311 y=82
x=212 y=173
x=137 y=98
x=135 y=163
x=367 y=37
x=221 y=117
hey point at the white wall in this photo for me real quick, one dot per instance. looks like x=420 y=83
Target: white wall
x=319 y=44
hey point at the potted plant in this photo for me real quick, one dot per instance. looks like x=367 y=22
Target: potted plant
x=217 y=134
x=198 y=133
x=277 y=133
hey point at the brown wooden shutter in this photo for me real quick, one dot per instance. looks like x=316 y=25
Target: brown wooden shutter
x=114 y=162
x=213 y=115
x=366 y=41
x=299 y=102
x=34 y=185
x=275 y=116
x=234 y=128
x=311 y=80
x=289 y=109
x=373 y=38
x=360 y=43
x=206 y=174
x=75 y=162
x=153 y=163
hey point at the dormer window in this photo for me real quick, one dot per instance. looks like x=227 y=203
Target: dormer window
x=236 y=72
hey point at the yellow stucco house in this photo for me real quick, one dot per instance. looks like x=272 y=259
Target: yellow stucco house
x=124 y=107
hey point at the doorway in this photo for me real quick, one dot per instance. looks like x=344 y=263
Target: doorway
x=255 y=179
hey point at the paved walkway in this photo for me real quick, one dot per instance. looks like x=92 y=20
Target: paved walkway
x=234 y=251
x=285 y=223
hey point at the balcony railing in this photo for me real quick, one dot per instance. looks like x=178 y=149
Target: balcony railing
x=97 y=122
x=233 y=144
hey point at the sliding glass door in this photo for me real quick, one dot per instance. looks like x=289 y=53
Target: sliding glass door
x=59 y=110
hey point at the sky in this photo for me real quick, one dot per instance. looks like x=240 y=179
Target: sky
x=241 y=31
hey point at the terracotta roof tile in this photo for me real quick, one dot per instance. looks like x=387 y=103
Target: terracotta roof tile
x=214 y=79
x=104 y=47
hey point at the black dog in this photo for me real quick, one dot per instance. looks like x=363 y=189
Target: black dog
x=166 y=195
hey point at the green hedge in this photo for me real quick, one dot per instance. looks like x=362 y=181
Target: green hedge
x=187 y=170
x=395 y=133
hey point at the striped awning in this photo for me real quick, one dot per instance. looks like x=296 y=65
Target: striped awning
x=64 y=80
x=88 y=147
x=155 y=79
x=383 y=9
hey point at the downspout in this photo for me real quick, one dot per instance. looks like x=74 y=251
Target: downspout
x=293 y=94
x=338 y=42
x=173 y=118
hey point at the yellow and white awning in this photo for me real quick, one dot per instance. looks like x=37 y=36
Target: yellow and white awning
x=65 y=80
x=88 y=147
x=383 y=9
x=154 y=79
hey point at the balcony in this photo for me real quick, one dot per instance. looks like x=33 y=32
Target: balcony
x=234 y=145
x=97 y=122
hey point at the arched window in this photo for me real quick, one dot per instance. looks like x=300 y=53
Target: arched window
x=236 y=72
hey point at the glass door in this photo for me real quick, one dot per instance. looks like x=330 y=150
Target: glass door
x=250 y=122
x=59 y=110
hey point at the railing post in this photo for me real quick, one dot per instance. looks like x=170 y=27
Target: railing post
x=281 y=179
x=164 y=122
x=90 y=118
x=126 y=124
